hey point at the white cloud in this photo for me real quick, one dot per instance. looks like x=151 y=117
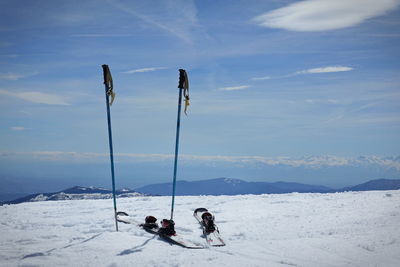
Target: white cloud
x=144 y=70
x=261 y=78
x=18 y=128
x=37 y=97
x=82 y=157
x=312 y=162
x=325 y=70
x=233 y=88
x=321 y=15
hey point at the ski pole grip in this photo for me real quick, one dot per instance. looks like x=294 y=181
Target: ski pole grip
x=106 y=72
x=182 y=78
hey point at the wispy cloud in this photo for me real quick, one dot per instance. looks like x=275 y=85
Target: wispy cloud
x=18 y=128
x=233 y=88
x=144 y=70
x=99 y=35
x=11 y=76
x=37 y=97
x=261 y=78
x=177 y=18
x=325 y=70
x=328 y=69
x=321 y=15
x=8 y=55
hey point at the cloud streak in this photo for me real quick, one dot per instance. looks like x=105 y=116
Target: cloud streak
x=328 y=69
x=261 y=78
x=322 y=15
x=325 y=70
x=37 y=97
x=18 y=128
x=11 y=76
x=144 y=70
x=178 y=18
x=234 y=88
x=99 y=35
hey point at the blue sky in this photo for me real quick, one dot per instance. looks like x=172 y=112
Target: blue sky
x=287 y=82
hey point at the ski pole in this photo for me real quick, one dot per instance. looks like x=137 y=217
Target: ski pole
x=183 y=86
x=109 y=92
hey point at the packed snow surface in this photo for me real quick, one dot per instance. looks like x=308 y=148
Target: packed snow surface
x=340 y=229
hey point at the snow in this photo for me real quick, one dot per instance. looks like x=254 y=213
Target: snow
x=339 y=229
x=40 y=197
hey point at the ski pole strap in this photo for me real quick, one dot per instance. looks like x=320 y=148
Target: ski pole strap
x=184 y=84
x=108 y=81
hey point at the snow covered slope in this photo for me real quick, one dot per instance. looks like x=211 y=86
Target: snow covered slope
x=340 y=229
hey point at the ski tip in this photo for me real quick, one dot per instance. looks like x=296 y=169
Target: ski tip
x=122 y=213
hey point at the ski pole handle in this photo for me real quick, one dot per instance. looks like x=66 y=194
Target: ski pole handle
x=107 y=76
x=182 y=79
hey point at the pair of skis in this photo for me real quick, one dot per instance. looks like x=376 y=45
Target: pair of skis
x=205 y=219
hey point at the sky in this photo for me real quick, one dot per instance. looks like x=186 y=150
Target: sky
x=304 y=91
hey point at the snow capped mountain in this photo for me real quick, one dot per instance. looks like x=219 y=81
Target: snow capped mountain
x=232 y=181
x=313 y=230
x=76 y=193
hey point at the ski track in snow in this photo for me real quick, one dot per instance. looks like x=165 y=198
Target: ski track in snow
x=339 y=229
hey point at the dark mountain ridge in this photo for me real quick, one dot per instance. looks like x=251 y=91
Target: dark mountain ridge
x=228 y=186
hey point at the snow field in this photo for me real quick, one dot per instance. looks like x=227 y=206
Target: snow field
x=340 y=229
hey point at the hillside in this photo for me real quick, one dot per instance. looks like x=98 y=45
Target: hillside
x=379 y=184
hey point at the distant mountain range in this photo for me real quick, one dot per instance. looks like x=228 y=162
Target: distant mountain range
x=228 y=186
x=219 y=186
